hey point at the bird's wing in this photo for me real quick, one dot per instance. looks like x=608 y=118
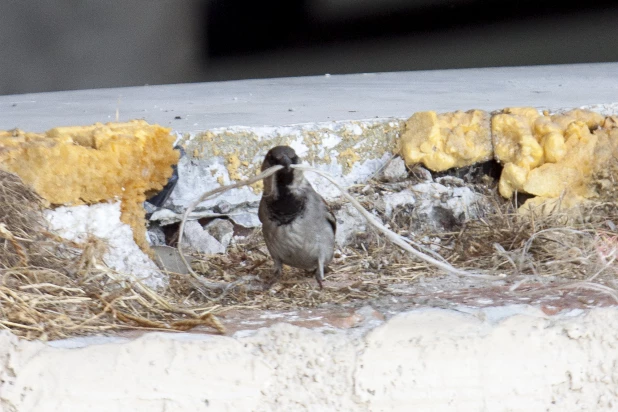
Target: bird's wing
x=330 y=217
x=262 y=212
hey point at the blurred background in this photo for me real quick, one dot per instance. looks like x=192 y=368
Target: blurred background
x=73 y=44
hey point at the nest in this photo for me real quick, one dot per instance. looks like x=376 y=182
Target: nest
x=578 y=244
x=51 y=288
x=355 y=275
x=577 y=248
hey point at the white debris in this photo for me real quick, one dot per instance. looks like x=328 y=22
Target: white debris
x=198 y=176
x=421 y=174
x=610 y=109
x=440 y=207
x=155 y=236
x=331 y=140
x=169 y=259
x=435 y=206
x=450 y=180
x=198 y=239
x=349 y=222
x=249 y=219
x=432 y=242
x=395 y=170
x=397 y=199
x=356 y=129
x=222 y=230
x=102 y=220
x=299 y=147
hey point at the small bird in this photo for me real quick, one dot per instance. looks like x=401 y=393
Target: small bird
x=298 y=226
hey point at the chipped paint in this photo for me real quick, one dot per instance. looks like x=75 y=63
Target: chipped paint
x=351 y=151
x=349 y=156
x=352 y=141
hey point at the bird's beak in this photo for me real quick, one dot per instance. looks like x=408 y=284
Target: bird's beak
x=286 y=162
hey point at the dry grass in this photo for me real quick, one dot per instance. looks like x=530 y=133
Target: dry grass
x=51 y=288
x=564 y=245
x=578 y=244
x=354 y=275
x=578 y=248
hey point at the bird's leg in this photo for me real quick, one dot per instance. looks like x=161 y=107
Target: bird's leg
x=319 y=273
x=277 y=270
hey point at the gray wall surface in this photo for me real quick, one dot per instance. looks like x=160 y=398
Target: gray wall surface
x=72 y=44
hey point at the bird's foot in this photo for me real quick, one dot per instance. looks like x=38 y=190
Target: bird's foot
x=319 y=282
x=319 y=276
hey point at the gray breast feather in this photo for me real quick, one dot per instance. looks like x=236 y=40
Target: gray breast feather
x=310 y=237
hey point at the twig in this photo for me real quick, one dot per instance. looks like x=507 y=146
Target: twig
x=607 y=265
x=182 y=325
x=19 y=250
x=591 y=286
x=526 y=247
x=51 y=286
x=392 y=236
x=225 y=287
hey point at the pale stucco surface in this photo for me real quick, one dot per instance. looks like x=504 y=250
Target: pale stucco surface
x=509 y=359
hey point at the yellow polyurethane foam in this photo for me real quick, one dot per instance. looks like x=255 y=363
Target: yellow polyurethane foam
x=444 y=141
x=546 y=155
x=90 y=164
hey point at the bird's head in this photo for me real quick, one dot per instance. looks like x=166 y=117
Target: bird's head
x=281 y=155
x=287 y=178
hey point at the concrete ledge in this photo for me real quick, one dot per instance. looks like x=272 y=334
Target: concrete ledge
x=278 y=102
x=497 y=359
x=511 y=358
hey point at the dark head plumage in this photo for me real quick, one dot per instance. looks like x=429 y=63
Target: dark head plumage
x=280 y=155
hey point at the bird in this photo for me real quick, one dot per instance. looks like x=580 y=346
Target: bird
x=298 y=226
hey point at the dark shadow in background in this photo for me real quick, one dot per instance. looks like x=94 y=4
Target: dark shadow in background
x=245 y=27
x=62 y=44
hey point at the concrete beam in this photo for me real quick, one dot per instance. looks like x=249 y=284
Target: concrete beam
x=284 y=101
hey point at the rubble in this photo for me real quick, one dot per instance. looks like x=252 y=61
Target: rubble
x=395 y=170
x=433 y=206
x=102 y=220
x=222 y=230
x=198 y=239
x=349 y=223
